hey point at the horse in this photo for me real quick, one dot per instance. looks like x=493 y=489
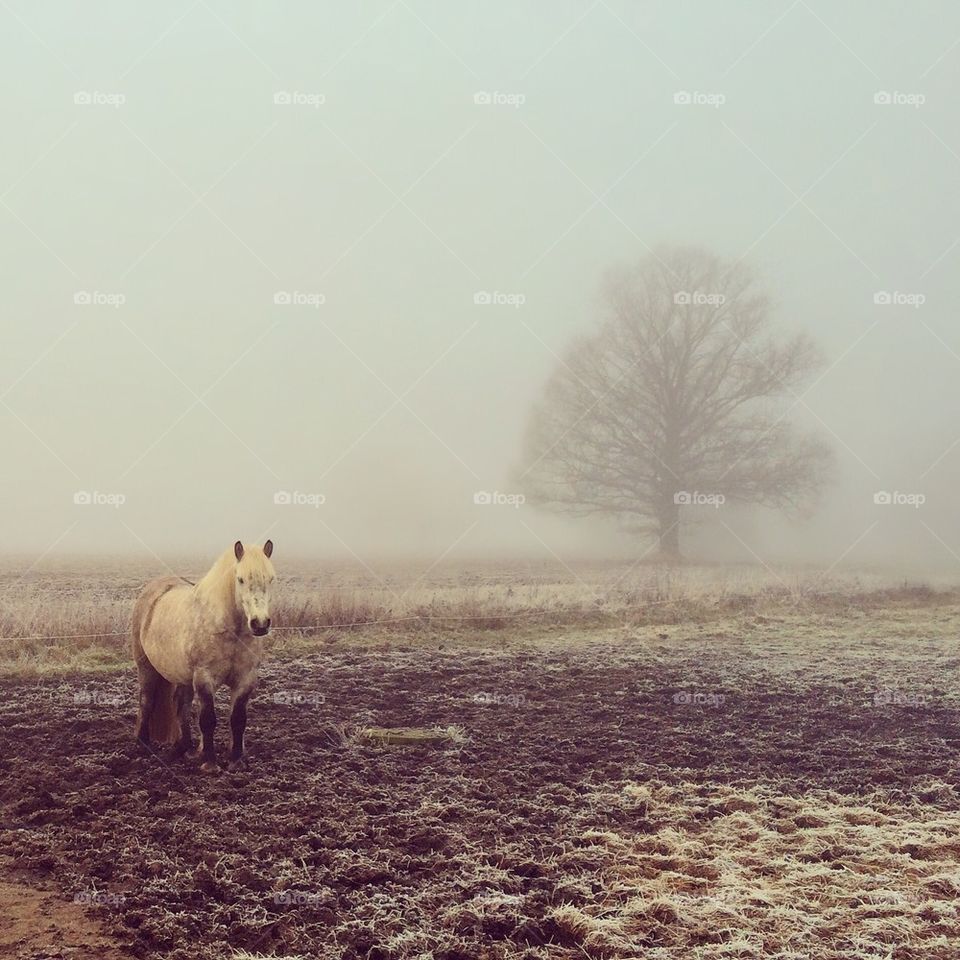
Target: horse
x=190 y=639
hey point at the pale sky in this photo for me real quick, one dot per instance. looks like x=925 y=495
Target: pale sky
x=179 y=185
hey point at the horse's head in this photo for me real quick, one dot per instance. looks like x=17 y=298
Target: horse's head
x=253 y=578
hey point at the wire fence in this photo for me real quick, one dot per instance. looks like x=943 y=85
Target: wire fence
x=318 y=627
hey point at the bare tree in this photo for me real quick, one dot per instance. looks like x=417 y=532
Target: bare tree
x=684 y=389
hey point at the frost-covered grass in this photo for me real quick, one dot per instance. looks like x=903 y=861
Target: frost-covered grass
x=72 y=615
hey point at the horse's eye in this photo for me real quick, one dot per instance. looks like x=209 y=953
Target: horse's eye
x=239 y=579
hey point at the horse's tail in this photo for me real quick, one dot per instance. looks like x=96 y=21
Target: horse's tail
x=164 y=722
x=164 y=717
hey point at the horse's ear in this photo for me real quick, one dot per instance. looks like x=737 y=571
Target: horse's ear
x=238 y=550
x=268 y=548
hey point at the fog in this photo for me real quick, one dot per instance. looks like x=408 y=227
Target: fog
x=185 y=166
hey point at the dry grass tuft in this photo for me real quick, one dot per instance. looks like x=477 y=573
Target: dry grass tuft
x=413 y=736
x=846 y=880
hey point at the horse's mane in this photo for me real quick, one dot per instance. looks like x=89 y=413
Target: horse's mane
x=216 y=585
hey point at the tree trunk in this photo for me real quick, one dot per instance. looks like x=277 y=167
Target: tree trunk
x=669 y=522
x=671 y=486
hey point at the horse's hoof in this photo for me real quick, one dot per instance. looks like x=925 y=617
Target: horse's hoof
x=208 y=766
x=236 y=765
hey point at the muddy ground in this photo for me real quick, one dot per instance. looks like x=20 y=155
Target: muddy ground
x=513 y=840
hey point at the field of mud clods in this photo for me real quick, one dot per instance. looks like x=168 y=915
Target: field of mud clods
x=598 y=800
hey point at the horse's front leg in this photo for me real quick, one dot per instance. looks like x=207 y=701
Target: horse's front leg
x=208 y=724
x=238 y=724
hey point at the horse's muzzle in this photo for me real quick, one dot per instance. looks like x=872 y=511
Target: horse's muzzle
x=259 y=628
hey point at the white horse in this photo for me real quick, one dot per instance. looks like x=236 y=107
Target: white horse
x=191 y=639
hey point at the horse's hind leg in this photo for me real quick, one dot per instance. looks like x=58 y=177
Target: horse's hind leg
x=184 y=702
x=150 y=682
